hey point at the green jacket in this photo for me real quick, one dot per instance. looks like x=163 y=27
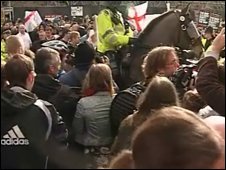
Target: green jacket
x=111 y=35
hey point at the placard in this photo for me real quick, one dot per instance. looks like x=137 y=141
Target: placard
x=203 y=17
x=77 y=11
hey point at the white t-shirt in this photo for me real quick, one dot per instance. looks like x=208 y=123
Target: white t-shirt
x=26 y=39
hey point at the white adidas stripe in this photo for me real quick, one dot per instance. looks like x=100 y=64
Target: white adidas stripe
x=15 y=132
x=6 y=136
x=18 y=131
x=12 y=134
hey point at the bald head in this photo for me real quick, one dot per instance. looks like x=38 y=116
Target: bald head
x=22 y=28
x=218 y=123
x=14 y=45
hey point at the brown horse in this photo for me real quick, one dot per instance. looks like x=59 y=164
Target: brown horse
x=173 y=28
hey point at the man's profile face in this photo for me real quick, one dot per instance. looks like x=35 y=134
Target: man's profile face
x=172 y=65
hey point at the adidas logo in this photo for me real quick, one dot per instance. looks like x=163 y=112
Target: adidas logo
x=14 y=137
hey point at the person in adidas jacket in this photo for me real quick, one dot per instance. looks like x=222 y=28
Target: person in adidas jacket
x=31 y=129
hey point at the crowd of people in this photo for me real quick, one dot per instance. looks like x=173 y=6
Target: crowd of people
x=58 y=83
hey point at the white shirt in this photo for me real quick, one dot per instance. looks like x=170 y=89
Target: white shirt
x=26 y=39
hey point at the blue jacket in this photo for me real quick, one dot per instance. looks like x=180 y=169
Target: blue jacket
x=75 y=77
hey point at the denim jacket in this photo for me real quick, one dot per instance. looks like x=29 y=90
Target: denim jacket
x=91 y=122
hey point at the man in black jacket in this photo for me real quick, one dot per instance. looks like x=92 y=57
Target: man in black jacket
x=46 y=87
x=31 y=129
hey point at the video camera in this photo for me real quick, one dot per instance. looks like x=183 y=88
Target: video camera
x=185 y=76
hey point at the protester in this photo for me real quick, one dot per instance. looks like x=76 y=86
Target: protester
x=159 y=93
x=93 y=109
x=84 y=57
x=47 y=87
x=25 y=36
x=41 y=39
x=14 y=45
x=208 y=84
x=174 y=138
x=31 y=126
x=160 y=61
x=91 y=123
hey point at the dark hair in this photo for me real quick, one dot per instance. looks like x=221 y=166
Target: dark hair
x=42 y=25
x=209 y=29
x=62 y=33
x=6 y=31
x=84 y=54
x=17 y=69
x=49 y=25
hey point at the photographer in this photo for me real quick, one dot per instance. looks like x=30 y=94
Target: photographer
x=208 y=84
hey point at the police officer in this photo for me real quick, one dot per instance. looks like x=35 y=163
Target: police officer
x=208 y=37
x=112 y=33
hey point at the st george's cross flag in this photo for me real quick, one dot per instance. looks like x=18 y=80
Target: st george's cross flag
x=32 y=20
x=136 y=15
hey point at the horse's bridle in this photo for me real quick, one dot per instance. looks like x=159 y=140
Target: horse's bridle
x=185 y=25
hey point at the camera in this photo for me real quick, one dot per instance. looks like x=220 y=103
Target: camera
x=185 y=76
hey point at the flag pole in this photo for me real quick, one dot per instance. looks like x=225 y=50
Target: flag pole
x=167 y=5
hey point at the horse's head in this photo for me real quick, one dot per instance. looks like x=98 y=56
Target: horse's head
x=173 y=28
x=188 y=35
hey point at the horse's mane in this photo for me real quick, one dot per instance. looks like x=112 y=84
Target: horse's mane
x=154 y=22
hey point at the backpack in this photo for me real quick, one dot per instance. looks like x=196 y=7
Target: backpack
x=124 y=104
x=43 y=106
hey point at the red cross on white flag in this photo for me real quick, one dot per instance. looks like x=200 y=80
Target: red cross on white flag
x=136 y=15
x=32 y=20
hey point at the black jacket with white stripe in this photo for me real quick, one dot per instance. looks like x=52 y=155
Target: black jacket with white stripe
x=31 y=130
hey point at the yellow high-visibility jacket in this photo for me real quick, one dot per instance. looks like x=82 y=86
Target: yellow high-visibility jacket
x=203 y=41
x=4 y=55
x=110 y=36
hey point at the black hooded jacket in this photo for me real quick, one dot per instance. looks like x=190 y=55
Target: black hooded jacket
x=31 y=130
x=24 y=128
x=61 y=96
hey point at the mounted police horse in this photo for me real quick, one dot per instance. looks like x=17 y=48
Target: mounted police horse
x=173 y=28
